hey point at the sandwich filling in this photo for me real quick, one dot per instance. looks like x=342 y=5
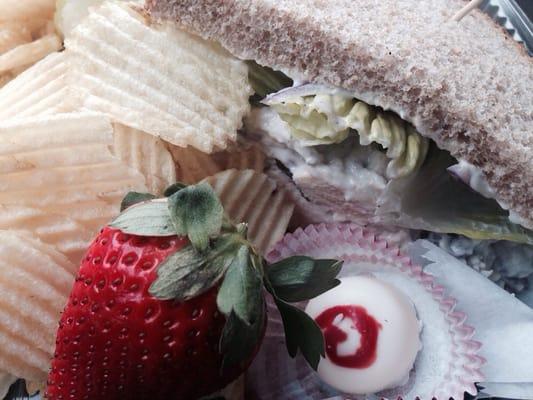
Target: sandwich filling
x=318 y=115
x=360 y=162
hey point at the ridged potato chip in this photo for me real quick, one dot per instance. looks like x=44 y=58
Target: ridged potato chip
x=159 y=79
x=27 y=34
x=69 y=13
x=70 y=237
x=63 y=154
x=60 y=179
x=13 y=34
x=35 y=280
x=6 y=78
x=29 y=53
x=193 y=165
x=249 y=156
x=44 y=88
x=63 y=176
x=147 y=154
x=92 y=214
x=118 y=65
x=253 y=198
x=26 y=9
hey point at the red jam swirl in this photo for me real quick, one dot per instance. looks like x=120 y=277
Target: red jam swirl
x=363 y=356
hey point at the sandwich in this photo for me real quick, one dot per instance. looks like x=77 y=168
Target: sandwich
x=389 y=113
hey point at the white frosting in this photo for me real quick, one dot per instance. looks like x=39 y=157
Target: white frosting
x=398 y=339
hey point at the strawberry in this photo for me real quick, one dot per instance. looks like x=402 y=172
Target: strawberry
x=137 y=338
x=169 y=303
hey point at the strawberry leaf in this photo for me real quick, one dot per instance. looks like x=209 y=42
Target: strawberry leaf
x=242 y=288
x=301 y=333
x=175 y=187
x=302 y=278
x=197 y=213
x=241 y=299
x=150 y=218
x=183 y=275
x=307 y=278
x=239 y=339
x=133 y=198
x=189 y=273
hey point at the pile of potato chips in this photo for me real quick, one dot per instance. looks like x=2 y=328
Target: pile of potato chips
x=27 y=34
x=122 y=104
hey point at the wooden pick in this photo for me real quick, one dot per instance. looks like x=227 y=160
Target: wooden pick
x=466 y=10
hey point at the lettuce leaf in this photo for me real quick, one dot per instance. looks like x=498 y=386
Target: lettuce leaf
x=434 y=200
x=265 y=80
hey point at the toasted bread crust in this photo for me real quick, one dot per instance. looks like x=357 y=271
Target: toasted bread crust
x=464 y=84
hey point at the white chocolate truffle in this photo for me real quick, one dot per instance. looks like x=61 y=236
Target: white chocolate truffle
x=371 y=332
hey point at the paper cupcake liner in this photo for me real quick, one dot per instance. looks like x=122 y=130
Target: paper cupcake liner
x=446 y=367
x=307 y=212
x=251 y=197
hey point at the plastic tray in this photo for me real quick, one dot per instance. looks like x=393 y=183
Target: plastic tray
x=509 y=15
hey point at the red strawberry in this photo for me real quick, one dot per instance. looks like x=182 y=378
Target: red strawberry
x=115 y=340
x=156 y=316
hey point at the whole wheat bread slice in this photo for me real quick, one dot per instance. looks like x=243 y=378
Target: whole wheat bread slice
x=466 y=84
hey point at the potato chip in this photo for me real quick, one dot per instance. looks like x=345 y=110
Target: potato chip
x=29 y=53
x=147 y=154
x=69 y=13
x=41 y=89
x=27 y=34
x=26 y=9
x=50 y=251
x=253 y=198
x=34 y=147
x=60 y=180
x=92 y=214
x=193 y=165
x=5 y=78
x=250 y=156
x=141 y=152
x=35 y=280
x=63 y=176
x=13 y=34
x=159 y=79
x=68 y=236
x=6 y=380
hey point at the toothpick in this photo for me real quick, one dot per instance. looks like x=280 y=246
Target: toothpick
x=466 y=10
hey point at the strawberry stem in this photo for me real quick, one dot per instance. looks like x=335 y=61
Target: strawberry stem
x=220 y=253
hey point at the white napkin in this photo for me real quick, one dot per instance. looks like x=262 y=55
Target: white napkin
x=504 y=325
